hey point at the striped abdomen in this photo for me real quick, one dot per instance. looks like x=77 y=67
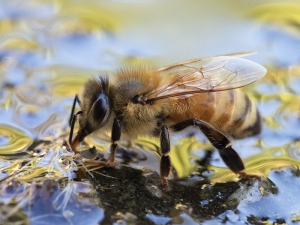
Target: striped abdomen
x=230 y=112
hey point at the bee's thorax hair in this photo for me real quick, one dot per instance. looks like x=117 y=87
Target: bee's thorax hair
x=138 y=119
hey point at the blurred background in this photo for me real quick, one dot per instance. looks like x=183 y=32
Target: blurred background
x=49 y=48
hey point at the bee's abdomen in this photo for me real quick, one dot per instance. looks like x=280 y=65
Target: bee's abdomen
x=230 y=112
x=245 y=120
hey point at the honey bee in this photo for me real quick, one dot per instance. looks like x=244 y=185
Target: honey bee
x=148 y=101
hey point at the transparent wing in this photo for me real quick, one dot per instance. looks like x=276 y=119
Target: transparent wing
x=177 y=65
x=208 y=75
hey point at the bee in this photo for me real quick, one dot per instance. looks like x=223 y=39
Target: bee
x=147 y=101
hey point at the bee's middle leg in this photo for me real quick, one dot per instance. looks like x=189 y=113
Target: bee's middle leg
x=219 y=141
x=115 y=138
x=165 y=161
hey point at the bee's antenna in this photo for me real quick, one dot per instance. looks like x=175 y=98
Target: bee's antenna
x=72 y=124
x=76 y=99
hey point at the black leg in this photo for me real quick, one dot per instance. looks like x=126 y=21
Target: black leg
x=165 y=161
x=76 y=99
x=218 y=140
x=72 y=124
x=115 y=137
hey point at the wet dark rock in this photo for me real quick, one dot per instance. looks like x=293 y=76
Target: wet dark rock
x=127 y=190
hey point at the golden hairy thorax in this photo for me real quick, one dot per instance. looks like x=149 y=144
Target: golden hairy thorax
x=138 y=119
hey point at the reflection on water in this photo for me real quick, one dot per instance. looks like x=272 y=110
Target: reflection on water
x=47 y=51
x=51 y=202
x=14 y=142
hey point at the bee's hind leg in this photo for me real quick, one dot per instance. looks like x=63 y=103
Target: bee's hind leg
x=219 y=141
x=165 y=161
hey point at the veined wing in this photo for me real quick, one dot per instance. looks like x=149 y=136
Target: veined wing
x=207 y=75
x=177 y=65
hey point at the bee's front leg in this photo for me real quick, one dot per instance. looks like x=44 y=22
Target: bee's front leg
x=77 y=139
x=115 y=138
x=165 y=161
x=72 y=122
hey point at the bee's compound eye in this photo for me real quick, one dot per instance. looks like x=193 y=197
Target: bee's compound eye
x=100 y=108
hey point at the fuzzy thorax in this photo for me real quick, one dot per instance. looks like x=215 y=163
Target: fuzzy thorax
x=138 y=119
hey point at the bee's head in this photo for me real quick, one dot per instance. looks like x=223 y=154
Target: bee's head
x=95 y=105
